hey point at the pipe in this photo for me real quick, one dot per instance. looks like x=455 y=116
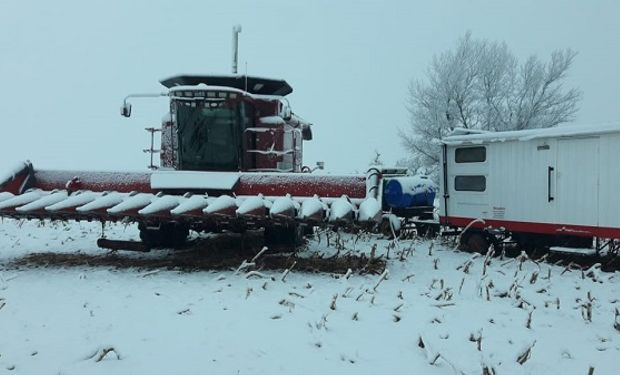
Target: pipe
x=373 y=176
x=235 y=42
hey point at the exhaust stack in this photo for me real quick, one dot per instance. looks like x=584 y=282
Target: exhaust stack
x=236 y=31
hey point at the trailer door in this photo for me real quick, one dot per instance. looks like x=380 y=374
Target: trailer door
x=609 y=181
x=523 y=183
x=576 y=181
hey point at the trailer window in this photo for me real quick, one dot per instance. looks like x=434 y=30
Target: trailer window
x=470 y=183
x=470 y=154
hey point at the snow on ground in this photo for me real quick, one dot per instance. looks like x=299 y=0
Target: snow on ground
x=62 y=320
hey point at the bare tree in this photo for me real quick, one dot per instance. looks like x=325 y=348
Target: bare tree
x=481 y=85
x=376 y=160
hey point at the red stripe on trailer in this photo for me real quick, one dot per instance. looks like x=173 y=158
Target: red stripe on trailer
x=538 y=228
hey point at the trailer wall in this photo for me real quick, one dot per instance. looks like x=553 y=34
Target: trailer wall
x=555 y=185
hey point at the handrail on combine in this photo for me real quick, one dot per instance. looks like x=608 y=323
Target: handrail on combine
x=126 y=107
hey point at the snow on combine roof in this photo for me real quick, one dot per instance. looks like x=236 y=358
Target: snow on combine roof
x=253 y=85
x=203 y=87
x=464 y=136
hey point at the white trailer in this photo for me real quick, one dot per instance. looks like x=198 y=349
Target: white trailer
x=555 y=187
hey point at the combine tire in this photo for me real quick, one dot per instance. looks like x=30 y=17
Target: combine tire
x=167 y=235
x=292 y=235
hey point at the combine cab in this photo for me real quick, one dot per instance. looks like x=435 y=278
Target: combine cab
x=230 y=159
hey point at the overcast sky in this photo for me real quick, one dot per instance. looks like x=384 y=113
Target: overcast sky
x=65 y=66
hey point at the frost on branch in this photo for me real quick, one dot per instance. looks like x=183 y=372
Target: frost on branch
x=480 y=84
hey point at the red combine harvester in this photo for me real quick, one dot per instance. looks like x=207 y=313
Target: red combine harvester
x=230 y=159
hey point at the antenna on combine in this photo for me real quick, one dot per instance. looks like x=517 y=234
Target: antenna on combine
x=236 y=31
x=246 y=76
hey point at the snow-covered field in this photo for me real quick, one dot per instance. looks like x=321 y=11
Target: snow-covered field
x=441 y=312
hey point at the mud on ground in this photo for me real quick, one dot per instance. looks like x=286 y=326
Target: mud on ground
x=225 y=252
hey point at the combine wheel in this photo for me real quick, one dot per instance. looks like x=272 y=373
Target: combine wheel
x=308 y=230
x=477 y=242
x=292 y=235
x=167 y=235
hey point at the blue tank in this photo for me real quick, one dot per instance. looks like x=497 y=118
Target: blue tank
x=409 y=191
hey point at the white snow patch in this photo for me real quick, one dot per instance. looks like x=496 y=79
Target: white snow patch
x=104 y=201
x=310 y=207
x=221 y=203
x=369 y=210
x=340 y=209
x=193 y=203
x=416 y=184
x=251 y=204
x=272 y=120
x=76 y=199
x=5 y=195
x=160 y=204
x=162 y=180
x=22 y=199
x=282 y=205
x=132 y=202
x=58 y=319
x=477 y=137
x=43 y=202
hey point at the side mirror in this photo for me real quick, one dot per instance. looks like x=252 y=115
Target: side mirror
x=286 y=113
x=306 y=133
x=126 y=109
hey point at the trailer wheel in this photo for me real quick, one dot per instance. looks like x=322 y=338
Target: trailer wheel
x=477 y=242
